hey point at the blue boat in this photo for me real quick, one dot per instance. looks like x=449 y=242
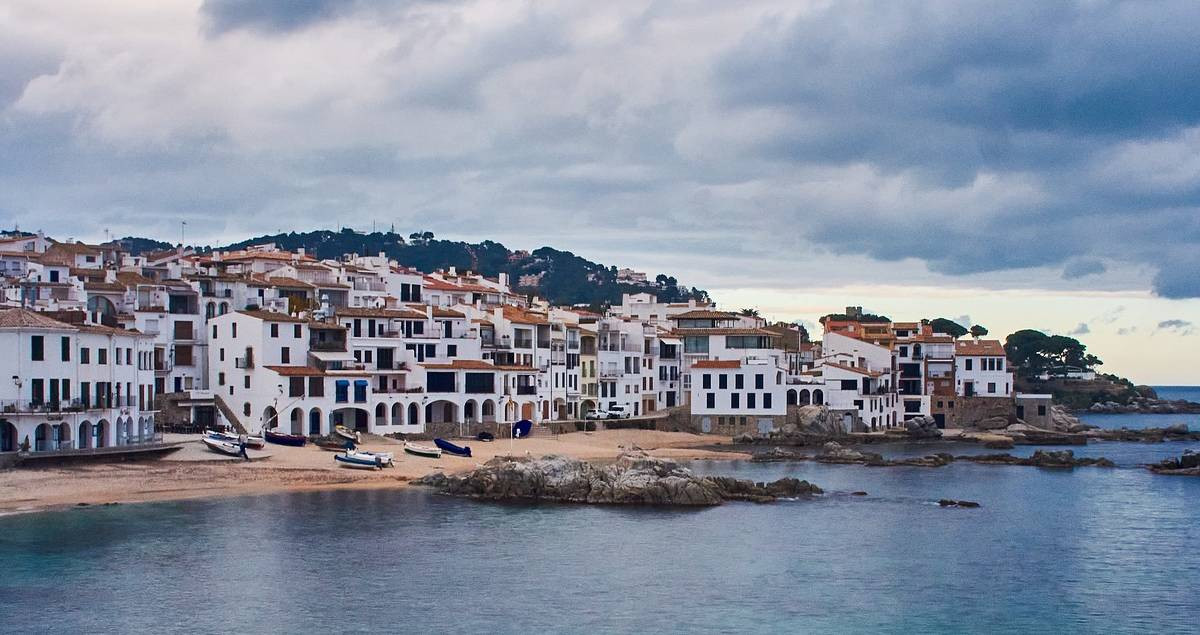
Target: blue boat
x=522 y=428
x=450 y=448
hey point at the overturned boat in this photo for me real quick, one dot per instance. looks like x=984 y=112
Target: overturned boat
x=450 y=448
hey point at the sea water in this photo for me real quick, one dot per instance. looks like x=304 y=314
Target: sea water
x=1084 y=550
x=1137 y=420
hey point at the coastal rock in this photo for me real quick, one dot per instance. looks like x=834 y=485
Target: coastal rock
x=946 y=502
x=992 y=423
x=1040 y=458
x=743 y=439
x=806 y=426
x=1034 y=436
x=777 y=454
x=923 y=427
x=633 y=479
x=1186 y=465
x=1176 y=429
x=833 y=452
x=1177 y=432
x=1062 y=420
x=999 y=444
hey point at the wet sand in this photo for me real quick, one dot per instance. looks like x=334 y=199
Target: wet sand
x=195 y=472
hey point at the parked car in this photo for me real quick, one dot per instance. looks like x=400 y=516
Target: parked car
x=593 y=415
x=617 y=412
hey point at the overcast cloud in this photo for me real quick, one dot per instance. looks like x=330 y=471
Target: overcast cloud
x=1052 y=143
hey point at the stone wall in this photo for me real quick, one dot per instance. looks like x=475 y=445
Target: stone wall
x=1028 y=406
x=985 y=412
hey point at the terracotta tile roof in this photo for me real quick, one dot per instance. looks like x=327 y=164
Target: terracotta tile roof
x=100 y=329
x=434 y=284
x=462 y=364
x=316 y=324
x=297 y=371
x=24 y=318
x=521 y=316
x=133 y=278
x=990 y=348
x=717 y=363
x=724 y=331
x=932 y=339
x=271 y=316
x=704 y=314
x=854 y=369
x=438 y=311
x=283 y=281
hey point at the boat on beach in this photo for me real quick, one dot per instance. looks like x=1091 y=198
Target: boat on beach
x=450 y=448
x=294 y=440
x=364 y=460
x=423 y=450
x=522 y=428
x=255 y=442
x=334 y=445
x=221 y=446
x=347 y=433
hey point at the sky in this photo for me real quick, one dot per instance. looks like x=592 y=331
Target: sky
x=1016 y=164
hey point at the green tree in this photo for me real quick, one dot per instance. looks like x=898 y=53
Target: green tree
x=949 y=327
x=749 y=312
x=978 y=331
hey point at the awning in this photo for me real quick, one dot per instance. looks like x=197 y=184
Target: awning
x=332 y=356
x=670 y=340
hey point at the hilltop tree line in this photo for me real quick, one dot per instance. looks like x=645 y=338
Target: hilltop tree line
x=564 y=278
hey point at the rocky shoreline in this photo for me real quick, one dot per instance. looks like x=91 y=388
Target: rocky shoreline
x=834 y=453
x=633 y=479
x=1186 y=465
x=1143 y=405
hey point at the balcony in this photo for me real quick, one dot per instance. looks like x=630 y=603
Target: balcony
x=611 y=372
x=28 y=406
x=526 y=390
x=243 y=362
x=369 y=285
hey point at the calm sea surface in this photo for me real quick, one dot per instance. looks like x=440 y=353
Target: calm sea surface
x=1087 y=550
x=1190 y=393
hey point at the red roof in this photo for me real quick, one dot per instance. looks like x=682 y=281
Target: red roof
x=990 y=348
x=717 y=363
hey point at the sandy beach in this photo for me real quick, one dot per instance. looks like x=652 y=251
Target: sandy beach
x=195 y=472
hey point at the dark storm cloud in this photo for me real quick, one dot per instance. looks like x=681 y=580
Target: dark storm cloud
x=1062 y=138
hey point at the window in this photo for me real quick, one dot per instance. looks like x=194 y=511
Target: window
x=36 y=348
x=968 y=363
x=246 y=408
x=1000 y=364
x=36 y=390
x=220 y=379
x=221 y=354
x=360 y=390
x=285 y=355
x=722 y=381
x=1041 y=411
x=274 y=330
x=767 y=400
x=992 y=387
x=85 y=355
x=739 y=381
x=758 y=382
x=246 y=382
x=849 y=384
x=735 y=400
x=214 y=335
x=66 y=349
x=296 y=330
x=101 y=355
x=710 y=400
x=452 y=350
x=295 y=386
x=750 y=400
x=233 y=329
x=316 y=387
x=707 y=382
x=183 y=354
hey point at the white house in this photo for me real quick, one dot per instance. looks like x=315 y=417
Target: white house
x=981 y=369
x=69 y=386
x=730 y=394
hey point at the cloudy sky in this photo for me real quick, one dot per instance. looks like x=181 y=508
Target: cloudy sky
x=1016 y=164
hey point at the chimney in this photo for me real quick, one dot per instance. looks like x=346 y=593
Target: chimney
x=453 y=270
x=300 y=251
x=498 y=313
x=429 y=312
x=504 y=280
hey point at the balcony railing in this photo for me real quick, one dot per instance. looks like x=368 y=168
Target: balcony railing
x=526 y=390
x=29 y=406
x=243 y=362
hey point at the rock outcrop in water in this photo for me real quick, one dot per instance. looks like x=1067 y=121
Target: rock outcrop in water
x=1186 y=465
x=1145 y=405
x=1040 y=458
x=1176 y=432
x=923 y=427
x=633 y=479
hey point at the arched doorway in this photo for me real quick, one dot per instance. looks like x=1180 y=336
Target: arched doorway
x=381 y=414
x=8 y=436
x=545 y=411
x=527 y=410
x=85 y=435
x=414 y=415
x=314 y=421
x=353 y=418
x=397 y=414
x=587 y=406
x=560 y=408
x=469 y=411
x=270 y=418
x=792 y=399
x=296 y=419
x=489 y=411
x=818 y=398
x=62 y=436
x=510 y=411
x=100 y=433
x=441 y=411
x=41 y=438
x=805 y=397
x=210 y=310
